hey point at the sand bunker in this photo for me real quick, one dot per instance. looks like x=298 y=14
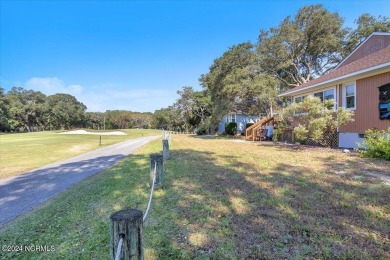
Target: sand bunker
x=83 y=132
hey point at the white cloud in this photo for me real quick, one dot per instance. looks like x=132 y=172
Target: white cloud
x=107 y=96
x=50 y=86
x=140 y=99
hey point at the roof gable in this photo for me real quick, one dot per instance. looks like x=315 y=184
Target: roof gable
x=376 y=60
x=371 y=55
x=375 y=42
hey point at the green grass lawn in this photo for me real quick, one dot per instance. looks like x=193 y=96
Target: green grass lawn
x=22 y=152
x=223 y=199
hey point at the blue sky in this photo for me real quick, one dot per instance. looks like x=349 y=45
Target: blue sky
x=133 y=55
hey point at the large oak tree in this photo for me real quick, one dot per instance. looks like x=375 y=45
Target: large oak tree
x=237 y=84
x=302 y=47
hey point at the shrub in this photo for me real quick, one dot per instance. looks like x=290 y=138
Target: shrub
x=248 y=125
x=301 y=133
x=231 y=128
x=277 y=134
x=311 y=119
x=376 y=144
x=202 y=130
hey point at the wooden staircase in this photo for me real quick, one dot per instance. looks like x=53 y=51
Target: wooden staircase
x=257 y=131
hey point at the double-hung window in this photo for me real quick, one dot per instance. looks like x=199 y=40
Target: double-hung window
x=299 y=99
x=326 y=95
x=231 y=118
x=349 y=96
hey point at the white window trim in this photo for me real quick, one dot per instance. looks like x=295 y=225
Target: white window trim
x=235 y=118
x=302 y=96
x=344 y=101
x=230 y=117
x=334 y=88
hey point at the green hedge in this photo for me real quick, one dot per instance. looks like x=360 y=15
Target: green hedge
x=231 y=128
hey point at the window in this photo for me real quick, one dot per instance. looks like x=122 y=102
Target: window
x=320 y=95
x=231 y=118
x=299 y=99
x=326 y=95
x=329 y=94
x=349 y=93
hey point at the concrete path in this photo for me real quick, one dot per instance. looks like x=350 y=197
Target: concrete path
x=22 y=193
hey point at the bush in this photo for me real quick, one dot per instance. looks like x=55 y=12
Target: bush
x=311 y=119
x=248 y=125
x=376 y=144
x=202 y=130
x=301 y=134
x=277 y=134
x=231 y=128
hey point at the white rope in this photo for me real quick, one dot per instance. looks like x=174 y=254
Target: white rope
x=151 y=192
x=119 y=249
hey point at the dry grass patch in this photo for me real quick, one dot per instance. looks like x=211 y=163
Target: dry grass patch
x=275 y=201
x=227 y=200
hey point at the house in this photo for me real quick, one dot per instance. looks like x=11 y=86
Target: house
x=240 y=119
x=361 y=82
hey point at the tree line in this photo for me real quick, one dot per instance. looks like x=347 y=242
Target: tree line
x=248 y=77
x=24 y=110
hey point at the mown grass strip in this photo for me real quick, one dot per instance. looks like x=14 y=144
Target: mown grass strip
x=22 y=152
x=224 y=200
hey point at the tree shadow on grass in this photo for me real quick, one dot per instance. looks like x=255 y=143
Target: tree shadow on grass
x=76 y=222
x=220 y=207
x=232 y=210
x=24 y=192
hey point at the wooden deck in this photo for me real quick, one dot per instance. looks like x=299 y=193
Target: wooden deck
x=257 y=131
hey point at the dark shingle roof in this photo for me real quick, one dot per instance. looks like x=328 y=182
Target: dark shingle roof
x=370 y=61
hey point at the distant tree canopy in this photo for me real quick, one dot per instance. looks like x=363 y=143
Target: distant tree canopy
x=190 y=110
x=119 y=119
x=28 y=110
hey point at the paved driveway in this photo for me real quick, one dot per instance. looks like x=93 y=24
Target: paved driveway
x=22 y=193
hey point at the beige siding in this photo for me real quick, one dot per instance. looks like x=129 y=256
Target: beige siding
x=367 y=99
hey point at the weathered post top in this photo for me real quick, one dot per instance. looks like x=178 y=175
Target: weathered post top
x=156 y=156
x=127 y=215
x=127 y=225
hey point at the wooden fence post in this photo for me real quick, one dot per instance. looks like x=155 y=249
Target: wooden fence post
x=156 y=157
x=165 y=149
x=127 y=224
